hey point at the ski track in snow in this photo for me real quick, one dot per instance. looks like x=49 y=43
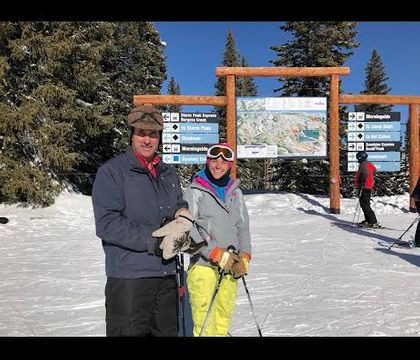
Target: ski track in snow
x=306 y=278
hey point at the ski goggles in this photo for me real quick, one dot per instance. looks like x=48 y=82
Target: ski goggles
x=220 y=150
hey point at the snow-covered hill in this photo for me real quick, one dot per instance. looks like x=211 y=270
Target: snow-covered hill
x=307 y=277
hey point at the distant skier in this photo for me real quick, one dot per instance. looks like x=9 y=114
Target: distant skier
x=364 y=182
x=416 y=196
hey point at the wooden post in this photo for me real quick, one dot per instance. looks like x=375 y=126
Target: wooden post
x=379 y=99
x=413 y=135
x=231 y=118
x=179 y=100
x=335 y=99
x=334 y=148
x=282 y=71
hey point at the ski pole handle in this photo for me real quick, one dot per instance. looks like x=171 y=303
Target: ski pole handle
x=230 y=249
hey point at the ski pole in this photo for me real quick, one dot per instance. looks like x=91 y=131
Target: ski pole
x=181 y=287
x=252 y=307
x=179 y=266
x=216 y=289
x=415 y=220
x=357 y=207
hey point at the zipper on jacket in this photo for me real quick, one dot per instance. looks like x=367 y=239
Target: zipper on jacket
x=149 y=175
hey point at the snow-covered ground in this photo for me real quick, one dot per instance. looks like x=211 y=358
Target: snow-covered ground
x=307 y=277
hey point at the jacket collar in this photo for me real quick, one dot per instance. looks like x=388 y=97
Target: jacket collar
x=135 y=163
x=202 y=184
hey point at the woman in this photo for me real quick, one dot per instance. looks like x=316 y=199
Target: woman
x=218 y=205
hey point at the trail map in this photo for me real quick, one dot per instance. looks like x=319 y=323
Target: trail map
x=281 y=127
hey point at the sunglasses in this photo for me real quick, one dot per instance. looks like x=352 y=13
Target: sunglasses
x=220 y=150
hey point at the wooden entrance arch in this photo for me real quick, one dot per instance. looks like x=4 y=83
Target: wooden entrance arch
x=334 y=100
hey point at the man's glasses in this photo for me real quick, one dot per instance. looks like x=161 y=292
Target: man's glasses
x=220 y=150
x=155 y=116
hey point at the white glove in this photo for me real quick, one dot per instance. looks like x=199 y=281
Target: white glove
x=175 y=236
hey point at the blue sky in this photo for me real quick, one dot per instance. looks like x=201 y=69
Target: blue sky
x=195 y=49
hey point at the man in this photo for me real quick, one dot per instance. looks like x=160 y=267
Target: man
x=364 y=183
x=132 y=196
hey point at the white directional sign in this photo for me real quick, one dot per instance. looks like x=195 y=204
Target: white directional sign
x=360 y=116
x=351 y=156
x=352 y=136
x=360 y=136
x=166 y=117
x=352 y=116
x=175 y=138
x=352 y=166
x=187 y=136
x=360 y=146
x=351 y=126
x=174 y=117
x=360 y=126
x=356 y=116
x=379 y=135
x=176 y=148
x=166 y=138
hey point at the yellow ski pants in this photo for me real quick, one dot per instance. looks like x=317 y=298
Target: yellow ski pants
x=201 y=282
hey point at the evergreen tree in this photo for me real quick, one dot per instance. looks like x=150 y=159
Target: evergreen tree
x=314 y=44
x=65 y=92
x=246 y=85
x=173 y=89
x=231 y=58
x=250 y=171
x=254 y=173
x=375 y=84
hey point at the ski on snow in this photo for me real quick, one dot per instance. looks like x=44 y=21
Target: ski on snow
x=400 y=243
x=337 y=223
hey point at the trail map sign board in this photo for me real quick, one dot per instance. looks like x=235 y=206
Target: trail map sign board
x=283 y=127
x=379 y=135
x=187 y=136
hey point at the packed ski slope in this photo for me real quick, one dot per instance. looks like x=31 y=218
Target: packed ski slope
x=307 y=277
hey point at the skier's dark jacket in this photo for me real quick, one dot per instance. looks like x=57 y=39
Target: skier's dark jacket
x=129 y=204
